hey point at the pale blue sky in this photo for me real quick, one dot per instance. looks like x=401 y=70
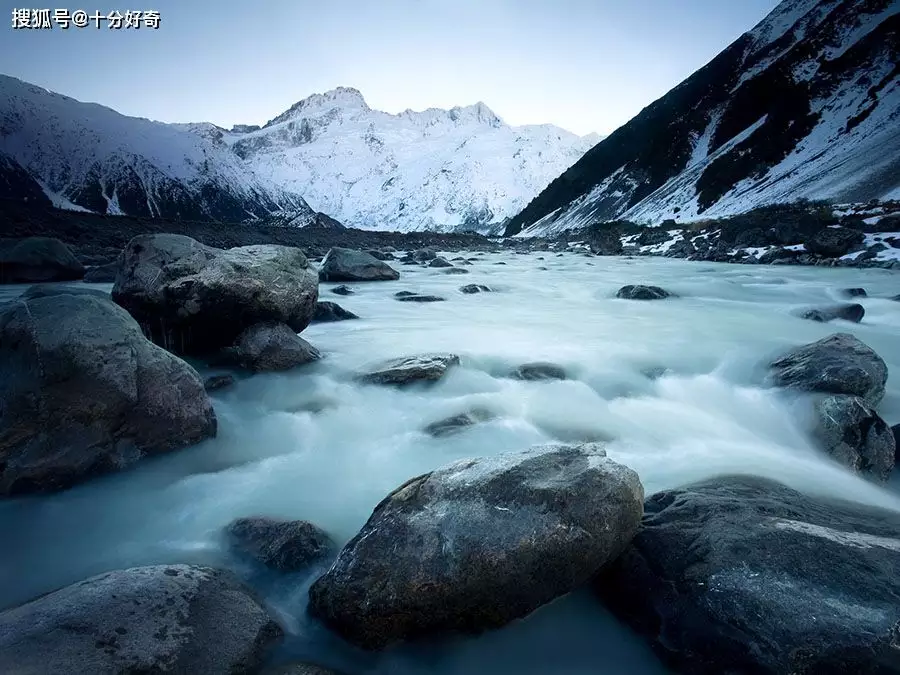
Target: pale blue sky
x=586 y=65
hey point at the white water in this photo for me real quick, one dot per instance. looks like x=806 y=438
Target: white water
x=312 y=444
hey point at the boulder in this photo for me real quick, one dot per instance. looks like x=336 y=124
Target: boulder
x=217 y=382
x=85 y=393
x=854 y=292
x=605 y=241
x=838 y=364
x=740 y=574
x=539 y=370
x=423 y=255
x=345 y=264
x=851 y=431
x=833 y=242
x=37 y=259
x=638 y=292
x=479 y=543
x=847 y=311
x=195 y=299
x=474 y=288
x=653 y=235
x=283 y=545
x=457 y=423
x=101 y=274
x=455 y=270
x=343 y=290
x=331 y=311
x=380 y=255
x=410 y=369
x=270 y=347
x=440 y=262
x=164 y=618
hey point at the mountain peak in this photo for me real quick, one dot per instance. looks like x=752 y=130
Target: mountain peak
x=341 y=97
x=479 y=112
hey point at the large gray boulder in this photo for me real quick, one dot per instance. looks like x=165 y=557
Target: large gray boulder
x=479 y=543
x=837 y=364
x=852 y=432
x=744 y=575
x=178 y=619
x=833 y=242
x=346 y=264
x=84 y=392
x=411 y=369
x=270 y=347
x=192 y=298
x=284 y=545
x=37 y=259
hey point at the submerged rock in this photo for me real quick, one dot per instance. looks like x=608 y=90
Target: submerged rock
x=85 y=393
x=331 y=311
x=193 y=298
x=410 y=369
x=743 y=575
x=632 y=292
x=474 y=288
x=440 y=262
x=479 y=543
x=283 y=545
x=343 y=290
x=345 y=264
x=217 y=382
x=457 y=423
x=164 y=618
x=539 y=370
x=456 y=270
x=852 y=432
x=854 y=292
x=37 y=259
x=847 y=312
x=270 y=347
x=414 y=297
x=838 y=364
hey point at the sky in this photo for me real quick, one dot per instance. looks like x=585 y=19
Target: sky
x=584 y=65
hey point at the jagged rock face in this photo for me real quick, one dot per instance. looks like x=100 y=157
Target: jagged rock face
x=91 y=157
x=804 y=105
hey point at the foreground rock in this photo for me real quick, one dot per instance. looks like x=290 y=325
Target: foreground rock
x=853 y=433
x=166 y=618
x=85 y=393
x=479 y=543
x=283 y=545
x=331 y=311
x=411 y=369
x=457 y=423
x=838 y=364
x=193 y=298
x=848 y=312
x=540 y=370
x=744 y=575
x=345 y=264
x=271 y=347
x=37 y=259
x=643 y=293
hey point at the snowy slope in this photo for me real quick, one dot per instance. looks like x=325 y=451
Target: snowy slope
x=437 y=169
x=805 y=105
x=93 y=157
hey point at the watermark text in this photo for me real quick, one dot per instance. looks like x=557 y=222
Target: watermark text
x=48 y=19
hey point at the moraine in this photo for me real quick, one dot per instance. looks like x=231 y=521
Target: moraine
x=314 y=444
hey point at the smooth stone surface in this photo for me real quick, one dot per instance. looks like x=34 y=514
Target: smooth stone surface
x=848 y=312
x=283 y=545
x=411 y=369
x=271 y=347
x=457 y=423
x=345 y=264
x=638 y=292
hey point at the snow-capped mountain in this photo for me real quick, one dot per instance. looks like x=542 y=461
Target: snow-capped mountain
x=462 y=168
x=805 y=105
x=86 y=156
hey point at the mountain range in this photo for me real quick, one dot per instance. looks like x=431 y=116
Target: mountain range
x=806 y=105
x=456 y=169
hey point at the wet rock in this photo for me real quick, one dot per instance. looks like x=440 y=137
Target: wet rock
x=440 y=262
x=164 y=618
x=331 y=311
x=404 y=294
x=271 y=347
x=479 y=543
x=85 y=393
x=838 y=364
x=411 y=369
x=343 y=290
x=195 y=299
x=854 y=292
x=474 y=288
x=218 y=382
x=37 y=259
x=380 y=255
x=848 y=312
x=740 y=574
x=456 y=270
x=637 y=292
x=457 y=423
x=415 y=297
x=101 y=274
x=423 y=255
x=539 y=370
x=851 y=431
x=344 y=264
x=283 y=545
x=833 y=242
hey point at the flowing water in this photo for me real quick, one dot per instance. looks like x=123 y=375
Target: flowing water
x=313 y=444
